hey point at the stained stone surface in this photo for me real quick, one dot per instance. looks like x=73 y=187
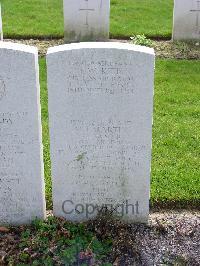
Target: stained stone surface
x=86 y=20
x=186 y=20
x=100 y=112
x=22 y=196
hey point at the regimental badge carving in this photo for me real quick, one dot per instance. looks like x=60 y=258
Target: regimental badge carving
x=2 y=88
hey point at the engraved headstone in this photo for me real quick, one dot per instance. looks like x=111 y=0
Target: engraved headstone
x=22 y=197
x=1 y=26
x=186 y=20
x=100 y=107
x=86 y=20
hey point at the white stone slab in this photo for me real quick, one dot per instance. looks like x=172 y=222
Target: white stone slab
x=22 y=197
x=86 y=20
x=1 y=26
x=186 y=20
x=100 y=110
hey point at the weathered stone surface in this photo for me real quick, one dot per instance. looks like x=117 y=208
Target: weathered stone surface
x=86 y=20
x=21 y=162
x=100 y=111
x=186 y=20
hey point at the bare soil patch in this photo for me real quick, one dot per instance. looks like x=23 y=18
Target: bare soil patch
x=164 y=49
x=170 y=238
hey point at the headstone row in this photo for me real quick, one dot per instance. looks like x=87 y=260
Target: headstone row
x=88 y=20
x=100 y=113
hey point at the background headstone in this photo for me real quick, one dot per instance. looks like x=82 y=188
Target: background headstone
x=22 y=196
x=100 y=107
x=1 y=25
x=86 y=20
x=186 y=20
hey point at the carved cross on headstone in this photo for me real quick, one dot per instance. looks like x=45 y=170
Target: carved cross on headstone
x=86 y=20
x=87 y=9
x=197 y=11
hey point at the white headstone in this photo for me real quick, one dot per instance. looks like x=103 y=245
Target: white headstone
x=86 y=20
x=186 y=20
x=22 y=197
x=100 y=107
x=1 y=26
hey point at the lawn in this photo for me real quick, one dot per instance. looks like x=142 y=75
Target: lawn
x=176 y=154
x=176 y=138
x=44 y=18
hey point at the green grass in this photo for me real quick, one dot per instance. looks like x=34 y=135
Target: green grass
x=45 y=131
x=44 y=18
x=149 y=17
x=176 y=138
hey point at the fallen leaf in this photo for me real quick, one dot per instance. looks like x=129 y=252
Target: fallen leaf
x=117 y=262
x=2 y=255
x=4 y=230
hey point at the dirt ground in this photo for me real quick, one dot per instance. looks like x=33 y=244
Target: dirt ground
x=163 y=49
x=170 y=238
